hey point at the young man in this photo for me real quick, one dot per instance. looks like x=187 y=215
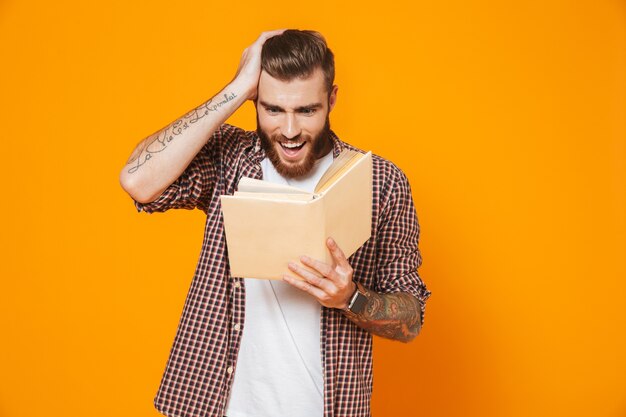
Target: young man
x=297 y=347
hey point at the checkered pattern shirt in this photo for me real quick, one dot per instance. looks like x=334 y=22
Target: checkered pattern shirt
x=200 y=368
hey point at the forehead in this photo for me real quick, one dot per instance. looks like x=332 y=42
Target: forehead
x=292 y=93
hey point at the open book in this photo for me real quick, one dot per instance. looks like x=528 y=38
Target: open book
x=268 y=225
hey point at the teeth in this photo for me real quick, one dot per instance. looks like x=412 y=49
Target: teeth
x=292 y=145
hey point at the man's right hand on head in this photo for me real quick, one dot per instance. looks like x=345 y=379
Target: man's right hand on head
x=249 y=71
x=161 y=158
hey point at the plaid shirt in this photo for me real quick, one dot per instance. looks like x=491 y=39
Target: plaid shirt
x=200 y=368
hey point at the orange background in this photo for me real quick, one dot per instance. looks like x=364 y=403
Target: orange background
x=508 y=118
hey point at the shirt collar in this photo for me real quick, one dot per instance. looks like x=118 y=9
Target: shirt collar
x=338 y=145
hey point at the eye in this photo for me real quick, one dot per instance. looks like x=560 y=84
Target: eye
x=307 y=112
x=272 y=110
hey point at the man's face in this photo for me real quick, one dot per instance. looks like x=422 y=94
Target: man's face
x=292 y=121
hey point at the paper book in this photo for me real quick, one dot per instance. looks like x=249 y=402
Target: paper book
x=269 y=225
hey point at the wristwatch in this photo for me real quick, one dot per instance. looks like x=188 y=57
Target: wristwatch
x=358 y=300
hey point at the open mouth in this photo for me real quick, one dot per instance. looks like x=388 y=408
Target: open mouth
x=292 y=149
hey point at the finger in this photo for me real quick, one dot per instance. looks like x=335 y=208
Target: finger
x=266 y=35
x=337 y=253
x=306 y=287
x=323 y=268
x=275 y=32
x=326 y=270
x=320 y=282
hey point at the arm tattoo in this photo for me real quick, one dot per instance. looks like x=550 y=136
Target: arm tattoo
x=394 y=316
x=160 y=140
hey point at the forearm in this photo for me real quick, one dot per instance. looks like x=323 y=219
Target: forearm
x=160 y=159
x=394 y=316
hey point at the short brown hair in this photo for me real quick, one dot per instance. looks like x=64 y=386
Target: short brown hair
x=296 y=54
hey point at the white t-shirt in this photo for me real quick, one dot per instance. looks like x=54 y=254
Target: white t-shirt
x=279 y=366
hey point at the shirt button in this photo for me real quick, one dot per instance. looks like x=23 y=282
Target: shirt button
x=230 y=370
x=237 y=284
x=237 y=326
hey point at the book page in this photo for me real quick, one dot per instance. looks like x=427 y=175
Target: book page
x=263 y=236
x=348 y=206
x=342 y=164
x=252 y=185
x=275 y=196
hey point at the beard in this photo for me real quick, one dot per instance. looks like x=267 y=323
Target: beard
x=318 y=146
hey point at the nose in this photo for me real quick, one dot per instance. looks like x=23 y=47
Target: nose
x=290 y=127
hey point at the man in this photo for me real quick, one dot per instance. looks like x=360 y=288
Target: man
x=301 y=346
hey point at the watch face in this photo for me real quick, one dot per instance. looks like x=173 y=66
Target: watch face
x=359 y=303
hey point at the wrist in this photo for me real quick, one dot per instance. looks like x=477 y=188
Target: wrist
x=243 y=88
x=353 y=290
x=358 y=301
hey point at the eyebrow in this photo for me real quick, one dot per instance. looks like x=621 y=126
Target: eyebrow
x=312 y=106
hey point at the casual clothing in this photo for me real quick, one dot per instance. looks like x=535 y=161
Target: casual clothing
x=280 y=354
x=200 y=369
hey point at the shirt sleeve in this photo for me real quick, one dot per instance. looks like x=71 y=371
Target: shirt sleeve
x=194 y=186
x=397 y=245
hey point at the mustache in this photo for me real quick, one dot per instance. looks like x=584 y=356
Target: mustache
x=282 y=138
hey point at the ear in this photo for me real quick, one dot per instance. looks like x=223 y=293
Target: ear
x=332 y=98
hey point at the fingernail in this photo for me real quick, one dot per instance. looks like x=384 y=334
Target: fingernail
x=291 y=265
x=304 y=258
